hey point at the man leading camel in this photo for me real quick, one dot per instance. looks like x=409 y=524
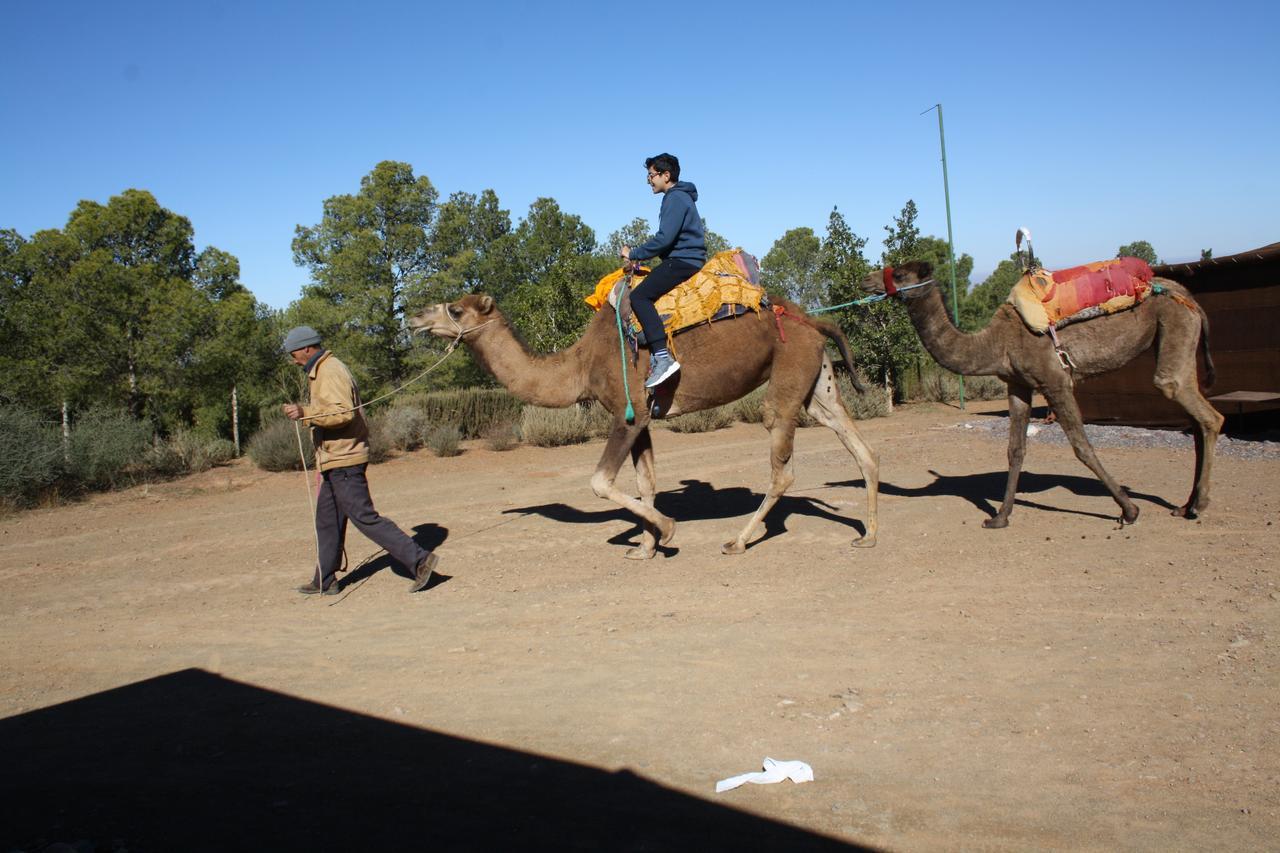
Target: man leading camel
x=341 y=438
x=682 y=246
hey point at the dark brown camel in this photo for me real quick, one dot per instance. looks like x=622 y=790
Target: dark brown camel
x=1027 y=362
x=722 y=361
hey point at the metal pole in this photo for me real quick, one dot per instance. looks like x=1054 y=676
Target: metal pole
x=951 y=246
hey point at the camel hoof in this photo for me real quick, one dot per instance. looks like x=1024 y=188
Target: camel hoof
x=1188 y=512
x=1126 y=518
x=638 y=554
x=669 y=533
x=865 y=542
x=996 y=523
x=734 y=547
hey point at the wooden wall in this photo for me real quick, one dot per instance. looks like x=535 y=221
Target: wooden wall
x=1241 y=295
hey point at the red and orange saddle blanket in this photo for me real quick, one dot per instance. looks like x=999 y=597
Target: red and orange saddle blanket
x=726 y=286
x=1054 y=299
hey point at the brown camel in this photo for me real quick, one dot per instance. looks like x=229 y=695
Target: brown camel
x=722 y=362
x=1028 y=362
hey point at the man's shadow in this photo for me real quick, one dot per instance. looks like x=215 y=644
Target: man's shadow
x=697 y=500
x=986 y=491
x=428 y=536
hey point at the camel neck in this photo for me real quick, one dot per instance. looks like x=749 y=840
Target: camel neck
x=554 y=380
x=976 y=354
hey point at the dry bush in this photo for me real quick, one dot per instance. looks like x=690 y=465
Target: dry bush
x=472 y=410
x=107 y=449
x=404 y=427
x=444 y=440
x=703 y=421
x=503 y=436
x=275 y=446
x=556 y=427
x=30 y=454
x=187 y=452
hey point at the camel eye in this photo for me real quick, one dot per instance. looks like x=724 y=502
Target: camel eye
x=455 y=312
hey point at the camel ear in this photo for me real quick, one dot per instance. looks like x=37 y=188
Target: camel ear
x=486 y=304
x=922 y=269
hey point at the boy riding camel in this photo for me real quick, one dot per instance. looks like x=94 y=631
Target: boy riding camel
x=681 y=244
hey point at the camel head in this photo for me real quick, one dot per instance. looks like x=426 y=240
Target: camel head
x=455 y=319
x=912 y=272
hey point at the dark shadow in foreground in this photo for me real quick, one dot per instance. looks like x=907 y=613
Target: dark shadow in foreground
x=194 y=761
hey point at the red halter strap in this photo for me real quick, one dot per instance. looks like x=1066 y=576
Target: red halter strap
x=890 y=289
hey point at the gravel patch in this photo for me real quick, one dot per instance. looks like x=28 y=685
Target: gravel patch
x=1265 y=446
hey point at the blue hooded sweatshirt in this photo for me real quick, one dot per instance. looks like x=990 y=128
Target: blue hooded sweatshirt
x=680 y=234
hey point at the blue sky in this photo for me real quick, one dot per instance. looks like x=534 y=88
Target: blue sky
x=1094 y=124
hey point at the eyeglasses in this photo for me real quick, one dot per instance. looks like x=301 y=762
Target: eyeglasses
x=653 y=175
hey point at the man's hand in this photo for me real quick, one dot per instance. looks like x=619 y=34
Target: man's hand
x=625 y=254
x=292 y=411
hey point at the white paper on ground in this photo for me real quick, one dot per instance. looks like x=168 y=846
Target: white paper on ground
x=774 y=771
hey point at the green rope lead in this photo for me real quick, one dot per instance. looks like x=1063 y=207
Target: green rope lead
x=866 y=300
x=622 y=349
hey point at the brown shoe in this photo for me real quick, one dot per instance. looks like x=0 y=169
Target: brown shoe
x=422 y=572
x=313 y=588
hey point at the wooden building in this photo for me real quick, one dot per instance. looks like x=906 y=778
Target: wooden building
x=1241 y=295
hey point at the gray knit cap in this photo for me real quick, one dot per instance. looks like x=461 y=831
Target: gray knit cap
x=299 y=337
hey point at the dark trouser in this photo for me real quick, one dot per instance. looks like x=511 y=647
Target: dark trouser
x=344 y=494
x=664 y=279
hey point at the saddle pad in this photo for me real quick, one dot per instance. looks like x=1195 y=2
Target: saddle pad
x=1045 y=299
x=725 y=280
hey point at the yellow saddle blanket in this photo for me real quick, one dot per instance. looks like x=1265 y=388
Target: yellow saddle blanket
x=725 y=280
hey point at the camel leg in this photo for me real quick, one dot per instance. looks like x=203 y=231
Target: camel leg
x=1072 y=423
x=621 y=440
x=646 y=479
x=1019 y=416
x=782 y=432
x=1208 y=422
x=826 y=408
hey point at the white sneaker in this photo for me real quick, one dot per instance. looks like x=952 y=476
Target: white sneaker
x=661 y=368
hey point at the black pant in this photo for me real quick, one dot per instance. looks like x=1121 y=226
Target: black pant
x=344 y=494
x=664 y=279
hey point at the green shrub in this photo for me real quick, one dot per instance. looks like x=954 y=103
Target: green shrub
x=275 y=446
x=107 y=448
x=943 y=386
x=703 y=421
x=555 y=427
x=30 y=454
x=503 y=436
x=444 y=440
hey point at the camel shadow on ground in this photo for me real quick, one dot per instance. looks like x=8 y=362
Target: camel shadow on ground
x=697 y=500
x=428 y=536
x=986 y=491
x=195 y=761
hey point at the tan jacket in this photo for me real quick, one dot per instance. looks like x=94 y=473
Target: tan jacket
x=339 y=430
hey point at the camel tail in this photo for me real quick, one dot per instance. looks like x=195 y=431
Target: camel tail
x=831 y=330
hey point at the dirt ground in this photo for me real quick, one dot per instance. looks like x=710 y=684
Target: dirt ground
x=1061 y=684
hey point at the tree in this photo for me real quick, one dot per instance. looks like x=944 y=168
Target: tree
x=793 y=268
x=978 y=306
x=633 y=233
x=368 y=256
x=549 y=264
x=1139 y=249
x=1206 y=254
x=881 y=335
